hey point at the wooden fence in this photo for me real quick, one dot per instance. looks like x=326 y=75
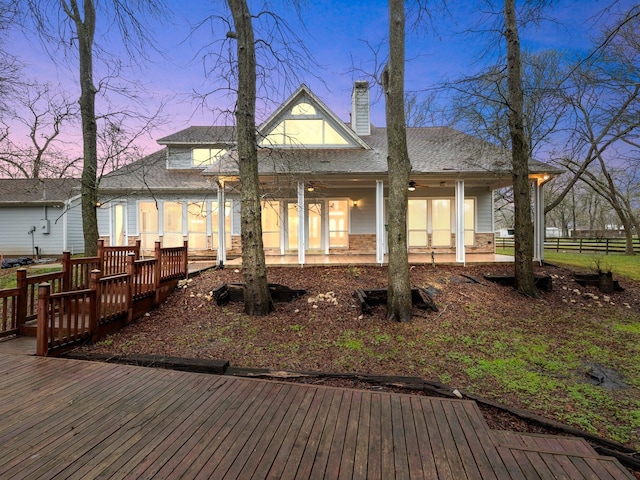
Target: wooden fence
x=74 y=304
x=578 y=245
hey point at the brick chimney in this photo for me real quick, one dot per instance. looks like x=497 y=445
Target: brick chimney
x=360 y=115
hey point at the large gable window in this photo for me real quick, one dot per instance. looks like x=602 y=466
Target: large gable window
x=201 y=157
x=304 y=127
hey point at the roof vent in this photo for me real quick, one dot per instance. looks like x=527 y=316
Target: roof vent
x=360 y=114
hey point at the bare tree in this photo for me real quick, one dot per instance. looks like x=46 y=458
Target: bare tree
x=604 y=99
x=43 y=113
x=257 y=300
x=80 y=20
x=399 y=168
x=523 y=225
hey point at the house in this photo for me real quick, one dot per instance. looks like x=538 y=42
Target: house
x=40 y=217
x=323 y=187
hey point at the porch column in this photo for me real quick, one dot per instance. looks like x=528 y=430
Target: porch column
x=222 y=235
x=538 y=221
x=301 y=221
x=380 y=222
x=459 y=200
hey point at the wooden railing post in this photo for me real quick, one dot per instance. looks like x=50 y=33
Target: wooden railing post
x=131 y=272
x=42 y=339
x=94 y=310
x=101 y=253
x=138 y=248
x=185 y=258
x=67 y=270
x=21 y=307
x=157 y=277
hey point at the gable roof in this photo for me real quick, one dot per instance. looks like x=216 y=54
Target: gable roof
x=301 y=93
x=38 y=191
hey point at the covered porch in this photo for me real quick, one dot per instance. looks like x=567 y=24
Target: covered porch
x=370 y=259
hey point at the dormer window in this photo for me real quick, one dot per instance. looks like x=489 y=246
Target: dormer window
x=202 y=157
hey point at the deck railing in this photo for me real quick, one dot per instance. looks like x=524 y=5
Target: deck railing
x=9 y=299
x=578 y=245
x=69 y=317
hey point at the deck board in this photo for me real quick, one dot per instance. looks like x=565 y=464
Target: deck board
x=70 y=419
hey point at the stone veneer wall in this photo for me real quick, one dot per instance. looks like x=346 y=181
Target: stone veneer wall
x=358 y=244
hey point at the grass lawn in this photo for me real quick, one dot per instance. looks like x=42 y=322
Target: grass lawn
x=8 y=276
x=627 y=266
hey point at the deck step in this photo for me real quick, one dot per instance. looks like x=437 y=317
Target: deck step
x=543 y=443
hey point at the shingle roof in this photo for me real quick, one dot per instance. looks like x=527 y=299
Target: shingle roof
x=150 y=174
x=38 y=191
x=435 y=150
x=431 y=150
x=197 y=135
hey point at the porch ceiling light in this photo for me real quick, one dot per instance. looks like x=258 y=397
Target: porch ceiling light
x=412 y=186
x=310 y=188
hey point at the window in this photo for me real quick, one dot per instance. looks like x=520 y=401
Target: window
x=338 y=224
x=303 y=108
x=469 y=221
x=201 y=157
x=271 y=224
x=215 y=214
x=119 y=235
x=148 y=224
x=441 y=223
x=292 y=226
x=417 y=223
x=197 y=225
x=172 y=224
x=305 y=127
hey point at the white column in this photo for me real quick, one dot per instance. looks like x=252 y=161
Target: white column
x=222 y=234
x=380 y=222
x=538 y=221
x=301 y=223
x=459 y=201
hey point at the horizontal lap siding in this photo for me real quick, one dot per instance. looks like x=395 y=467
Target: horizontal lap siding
x=15 y=223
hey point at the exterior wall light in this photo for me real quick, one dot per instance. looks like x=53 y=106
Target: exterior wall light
x=412 y=186
x=355 y=204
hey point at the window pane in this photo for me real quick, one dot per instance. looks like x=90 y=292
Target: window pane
x=338 y=223
x=197 y=225
x=303 y=108
x=148 y=224
x=418 y=238
x=292 y=226
x=271 y=224
x=417 y=222
x=206 y=156
x=332 y=137
x=303 y=132
x=172 y=223
x=469 y=221
x=118 y=225
x=441 y=223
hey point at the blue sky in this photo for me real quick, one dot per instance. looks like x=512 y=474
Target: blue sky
x=337 y=32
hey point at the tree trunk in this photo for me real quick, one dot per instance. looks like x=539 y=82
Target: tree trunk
x=257 y=300
x=399 y=167
x=523 y=226
x=85 y=30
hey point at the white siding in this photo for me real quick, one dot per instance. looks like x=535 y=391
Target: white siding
x=15 y=223
x=75 y=235
x=179 y=158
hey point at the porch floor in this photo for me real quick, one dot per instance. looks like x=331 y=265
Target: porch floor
x=364 y=259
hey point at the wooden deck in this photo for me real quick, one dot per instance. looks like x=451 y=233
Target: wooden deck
x=70 y=419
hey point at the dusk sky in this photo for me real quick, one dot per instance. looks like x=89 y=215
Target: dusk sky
x=337 y=32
